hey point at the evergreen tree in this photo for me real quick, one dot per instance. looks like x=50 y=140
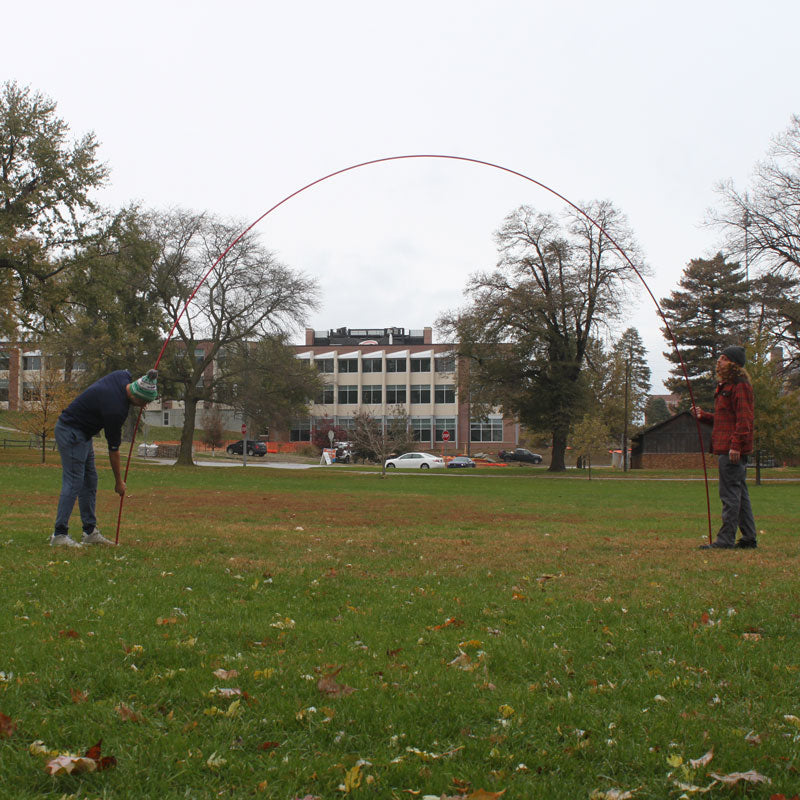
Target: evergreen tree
x=708 y=312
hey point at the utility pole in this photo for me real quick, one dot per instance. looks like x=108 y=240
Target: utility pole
x=625 y=421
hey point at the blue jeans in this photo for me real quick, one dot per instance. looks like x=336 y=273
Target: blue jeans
x=78 y=479
x=736 y=509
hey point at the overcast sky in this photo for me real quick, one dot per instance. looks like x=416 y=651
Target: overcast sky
x=229 y=107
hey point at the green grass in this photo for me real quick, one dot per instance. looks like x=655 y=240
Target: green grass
x=598 y=641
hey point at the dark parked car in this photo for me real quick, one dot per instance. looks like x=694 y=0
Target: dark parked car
x=253 y=448
x=520 y=454
x=459 y=462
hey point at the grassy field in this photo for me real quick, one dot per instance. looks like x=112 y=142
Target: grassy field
x=329 y=634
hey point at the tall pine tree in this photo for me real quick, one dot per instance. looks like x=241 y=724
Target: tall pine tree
x=708 y=312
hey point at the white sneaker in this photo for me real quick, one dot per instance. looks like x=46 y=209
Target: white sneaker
x=63 y=540
x=95 y=537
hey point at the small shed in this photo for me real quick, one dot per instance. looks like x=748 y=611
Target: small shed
x=672 y=444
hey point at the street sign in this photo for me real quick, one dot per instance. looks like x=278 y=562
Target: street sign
x=244 y=429
x=446 y=436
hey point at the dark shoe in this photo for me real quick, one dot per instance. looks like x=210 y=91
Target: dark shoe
x=717 y=546
x=746 y=544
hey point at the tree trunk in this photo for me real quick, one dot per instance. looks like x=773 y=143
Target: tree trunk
x=187 y=432
x=44 y=445
x=559 y=449
x=758 y=467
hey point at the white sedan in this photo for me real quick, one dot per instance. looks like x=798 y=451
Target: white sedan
x=415 y=461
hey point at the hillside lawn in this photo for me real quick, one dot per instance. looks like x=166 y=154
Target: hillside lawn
x=428 y=634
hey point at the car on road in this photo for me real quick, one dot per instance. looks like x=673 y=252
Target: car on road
x=520 y=454
x=415 y=461
x=460 y=462
x=253 y=448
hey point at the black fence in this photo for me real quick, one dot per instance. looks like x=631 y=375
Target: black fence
x=29 y=444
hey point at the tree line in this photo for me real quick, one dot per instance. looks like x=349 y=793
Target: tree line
x=534 y=332
x=101 y=288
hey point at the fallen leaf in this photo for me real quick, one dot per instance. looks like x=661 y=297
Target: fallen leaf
x=792 y=720
x=734 y=777
x=66 y=765
x=453 y=622
x=127 y=714
x=7 y=726
x=352 y=779
x=215 y=762
x=482 y=794
x=752 y=637
x=78 y=696
x=166 y=621
x=70 y=634
x=329 y=686
x=703 y=761
x=227 y=692
x=690 y=788
x=226 y=674
x=93 y=761
x=268 y=745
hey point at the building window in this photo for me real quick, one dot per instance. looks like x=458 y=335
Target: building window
x=421 y=429
x=324 y=365
x=396 y=393
x=420 y=365
x=490 y=430
x=346 y=423
x=300 y=431
x=199 y=355
x=165 y=420
x=348 y=365
x=325 y=397
x=371 y=395
x=395 y=365
x=445 y=394
x=348 y=395
x=446 y=363
x=371 y=365
x=3 y=394
x=420 y=394
x=32 y=363
x=29 y=392
x=445 y=424
x=4 y=360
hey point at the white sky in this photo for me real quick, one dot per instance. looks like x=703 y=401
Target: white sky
x=229 y=107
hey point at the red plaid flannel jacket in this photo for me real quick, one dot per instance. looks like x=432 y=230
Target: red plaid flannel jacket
x=732 y=418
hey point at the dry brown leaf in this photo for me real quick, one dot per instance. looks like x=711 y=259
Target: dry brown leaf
x=7 y=726
x=751 y=776
x=78 y=696
x=331 y=687
x=167 y=621
x=127 y=714
x=226 y=674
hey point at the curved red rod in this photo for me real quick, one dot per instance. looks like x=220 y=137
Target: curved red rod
x=448 y=158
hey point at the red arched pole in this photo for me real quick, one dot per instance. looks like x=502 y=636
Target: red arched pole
x=448 y=158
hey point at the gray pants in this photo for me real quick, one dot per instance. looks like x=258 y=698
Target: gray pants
x=736 y=509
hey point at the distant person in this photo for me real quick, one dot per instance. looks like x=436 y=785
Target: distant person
x=732 y=441
x=103 y=406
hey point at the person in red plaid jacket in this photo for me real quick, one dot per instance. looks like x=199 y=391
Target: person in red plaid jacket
x=732 y=441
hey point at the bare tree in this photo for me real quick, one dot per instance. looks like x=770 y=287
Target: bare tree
x=529 y=323
x=761 y=226
x=249 y=294
x=371 y=439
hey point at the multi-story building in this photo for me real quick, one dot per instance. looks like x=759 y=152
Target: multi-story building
x=379 y=370
x=383 y=369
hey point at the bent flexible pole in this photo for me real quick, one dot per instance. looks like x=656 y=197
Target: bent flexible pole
x=447 y=158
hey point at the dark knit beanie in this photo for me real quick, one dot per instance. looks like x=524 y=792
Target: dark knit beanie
x=735 y=353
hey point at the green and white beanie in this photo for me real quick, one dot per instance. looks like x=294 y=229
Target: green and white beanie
x=145 y=387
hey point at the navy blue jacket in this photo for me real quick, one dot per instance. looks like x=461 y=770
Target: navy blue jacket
x=103 y=406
